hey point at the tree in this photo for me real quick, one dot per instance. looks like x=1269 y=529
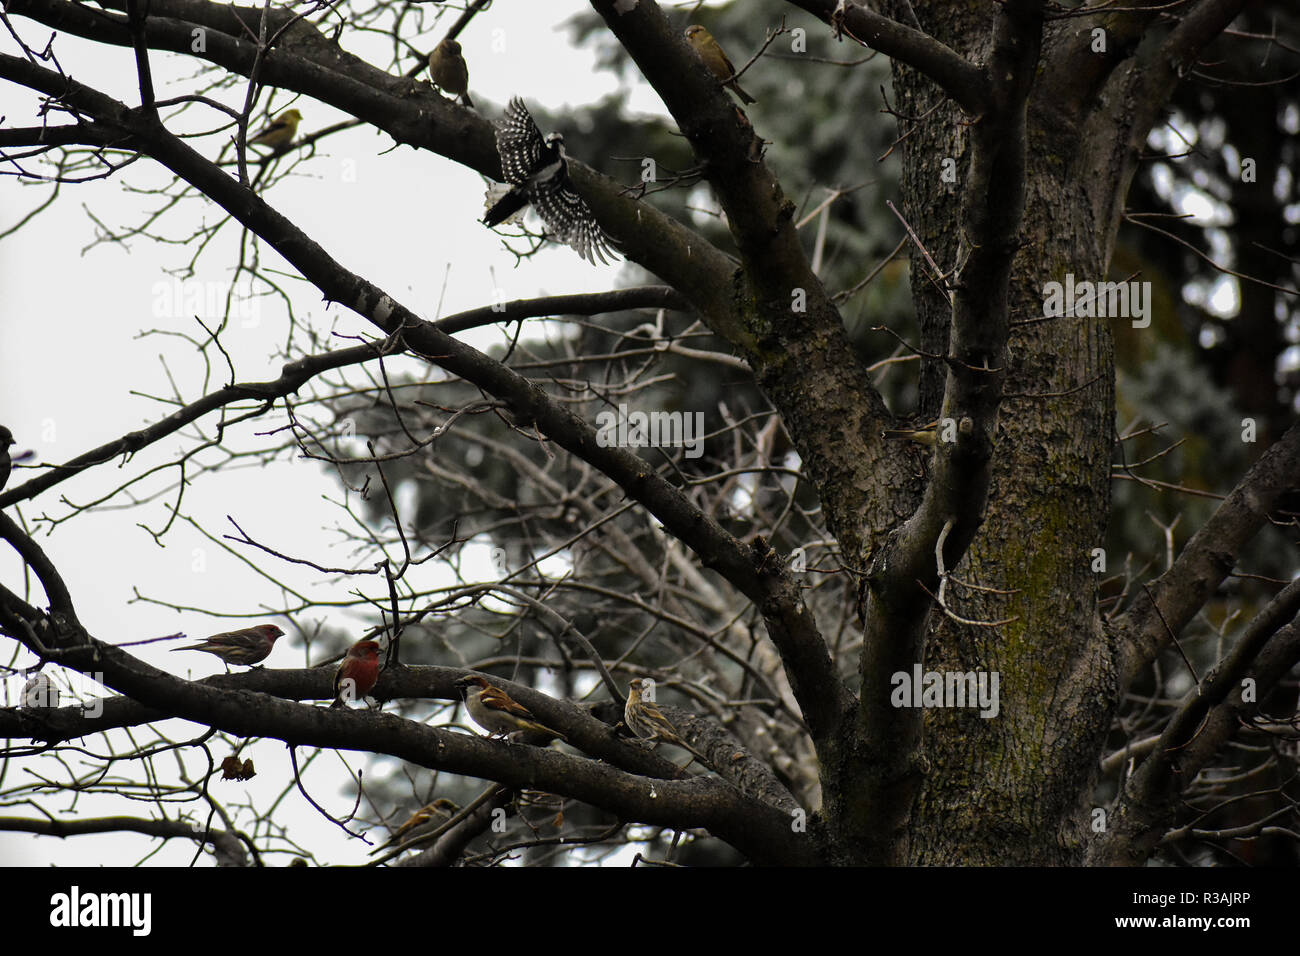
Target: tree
x=886 y=651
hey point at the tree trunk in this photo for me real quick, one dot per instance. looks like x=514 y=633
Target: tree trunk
x=1013 y=788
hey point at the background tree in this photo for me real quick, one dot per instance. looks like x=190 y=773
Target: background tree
x=777 y=585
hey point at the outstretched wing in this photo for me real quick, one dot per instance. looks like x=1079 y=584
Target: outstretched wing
x=519 y=142
x=570 y=219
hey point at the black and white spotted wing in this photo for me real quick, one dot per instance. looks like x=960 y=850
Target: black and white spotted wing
x=538 y=168
x=519 y=143
x=568 y=216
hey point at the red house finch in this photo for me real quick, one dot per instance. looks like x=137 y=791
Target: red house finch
x=708 y=50
x=497 y=712
x=448 y=69
x=645 y=720
x=357 y=673
x=247 y=646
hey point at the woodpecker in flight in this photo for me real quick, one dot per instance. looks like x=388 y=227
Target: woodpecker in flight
x=538 y=171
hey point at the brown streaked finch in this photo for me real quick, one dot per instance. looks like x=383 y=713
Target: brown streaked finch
x=449 y=71
x=644 y=719
x=707 y=49
x=497 y=712
x=357 y=674
x=247 y=646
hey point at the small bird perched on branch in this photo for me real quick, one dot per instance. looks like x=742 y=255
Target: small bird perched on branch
x=6 y=462
x=425 y=820
x=40 y=691
x=8 y=459
x=538 y=170
x=449 y=71
x=707 y=49
x=247 y=646
x=644 y=718
x=280 y=132
x=497 y=712
x=357 y=674
x=926 y=435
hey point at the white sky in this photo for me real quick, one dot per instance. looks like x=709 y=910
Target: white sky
x=71 y=357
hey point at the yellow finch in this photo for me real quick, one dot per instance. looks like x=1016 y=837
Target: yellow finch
x=707 y=49
x=497 y=712
x=448 y=70
x=280 y=132
x=926 y=435
x=644 y=719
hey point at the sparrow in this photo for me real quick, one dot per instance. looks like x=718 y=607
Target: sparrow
x=247 y=646
x=497 y=712
x=448 y=70
x=280 y=132
x=440 y=809
x=357 y=674
x=436 y=813
x=643 y=718
x=707 y=49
